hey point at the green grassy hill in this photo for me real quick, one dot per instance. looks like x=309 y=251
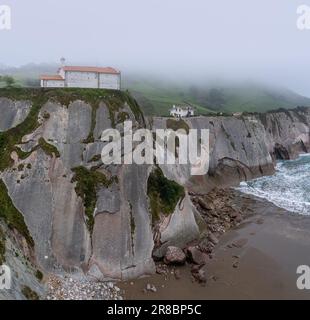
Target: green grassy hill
x=156 y=98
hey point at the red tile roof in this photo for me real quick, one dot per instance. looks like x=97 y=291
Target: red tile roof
x=51 y=77
x=91 y=69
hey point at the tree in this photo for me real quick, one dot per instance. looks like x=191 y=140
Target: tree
x=9 y=81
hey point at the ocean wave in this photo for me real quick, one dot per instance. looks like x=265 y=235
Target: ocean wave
x=288 y=188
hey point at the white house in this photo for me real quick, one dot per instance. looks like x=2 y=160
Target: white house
x=181 y=112
x=83 y=77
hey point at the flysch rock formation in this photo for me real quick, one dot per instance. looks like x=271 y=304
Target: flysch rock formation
x=119 y=240
x=12 y=112
x=245 y=147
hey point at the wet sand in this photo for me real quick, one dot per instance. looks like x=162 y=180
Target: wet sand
x=256 y=260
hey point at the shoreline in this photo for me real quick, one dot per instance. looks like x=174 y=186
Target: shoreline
x=255 y=260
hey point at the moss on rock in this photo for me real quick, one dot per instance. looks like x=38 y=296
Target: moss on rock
x=11 y=216
x=177 y=124
x=29 y=294
x=48 y=148
x=114 y=100
x=164 y=194
x=88 y=182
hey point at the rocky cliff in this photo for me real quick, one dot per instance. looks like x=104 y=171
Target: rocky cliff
x=246 y=146
x=66 y=211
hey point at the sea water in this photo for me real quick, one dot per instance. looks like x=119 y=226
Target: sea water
x=288 y=188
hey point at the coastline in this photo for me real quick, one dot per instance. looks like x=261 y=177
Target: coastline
x=255 y=260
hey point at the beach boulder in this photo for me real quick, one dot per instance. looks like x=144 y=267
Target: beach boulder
x=174 y=255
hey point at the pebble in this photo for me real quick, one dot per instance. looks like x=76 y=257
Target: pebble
x=80 y=288
x=151 y=287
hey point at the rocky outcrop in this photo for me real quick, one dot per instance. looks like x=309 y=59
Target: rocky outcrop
x=241 y=148
x=115 y=239
x=174 y=255
x=86 y=216
x=24 y=274
x=245 y=147
x=12 y=112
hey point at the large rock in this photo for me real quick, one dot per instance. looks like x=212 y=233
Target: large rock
x=200 y=275
x=122 y=237
x=12 y=112
x=196 y=256
x=180 y=228
x=174 y=255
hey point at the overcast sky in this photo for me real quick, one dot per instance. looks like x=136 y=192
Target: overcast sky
x=239 y=38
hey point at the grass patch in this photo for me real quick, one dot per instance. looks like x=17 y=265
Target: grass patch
x=11 y=216
x=96 y=157
x=13 y=136
x=29 y=293
x=48 y=148
x=163 y=193
x=88 y=182
x=156 y=97
x=177 y=124
x=22 y=154
x=39 y=275
x=122 y=117
x=134 y=107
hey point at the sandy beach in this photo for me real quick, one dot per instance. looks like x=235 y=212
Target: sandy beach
x=256 y=260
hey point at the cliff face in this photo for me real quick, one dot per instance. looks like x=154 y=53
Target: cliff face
x=245 y=147
x=81 y=215
x=241 y=148
x=12 y=112
x=105 y=232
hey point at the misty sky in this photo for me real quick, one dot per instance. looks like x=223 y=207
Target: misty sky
x=255 y=39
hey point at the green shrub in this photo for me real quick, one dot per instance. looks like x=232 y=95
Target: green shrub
x=177 y=124
x=39 y=275
x=88 y=182
x=29 y=294
x=48 y=148
x=11 y=216
x=164 y=194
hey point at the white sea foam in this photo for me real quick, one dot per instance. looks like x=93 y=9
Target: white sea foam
x=288 y=188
